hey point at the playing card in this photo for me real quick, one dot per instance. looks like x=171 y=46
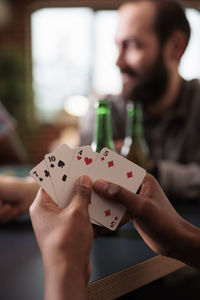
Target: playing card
x=113 y=167
x=58 y=163
x=81 y=163
x=41 y=174
x=84 y=157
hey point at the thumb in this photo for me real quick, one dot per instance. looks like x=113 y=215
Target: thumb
x=82 y=192
x=118 y=194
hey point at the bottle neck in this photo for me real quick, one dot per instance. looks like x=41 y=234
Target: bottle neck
x=134 y=120
x=102 y=136
x=138 y=130
x=134 y=129
x=130 y=114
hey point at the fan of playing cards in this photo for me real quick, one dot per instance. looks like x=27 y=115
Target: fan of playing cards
x=59 y=170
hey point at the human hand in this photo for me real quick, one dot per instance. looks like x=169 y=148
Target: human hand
x=16 y=196
x=65 y=236
x=153 y=216
x=153 y=168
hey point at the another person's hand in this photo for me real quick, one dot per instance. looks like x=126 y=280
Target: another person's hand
x=16 y=196
x=65 y=238
x=161 y=227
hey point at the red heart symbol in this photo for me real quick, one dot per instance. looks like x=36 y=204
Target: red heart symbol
x=78 y=157
x=88 y=160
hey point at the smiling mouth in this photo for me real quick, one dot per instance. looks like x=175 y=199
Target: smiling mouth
x=126 y=76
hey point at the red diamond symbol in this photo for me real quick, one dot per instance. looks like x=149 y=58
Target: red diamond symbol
x=102 y=158
x=116 y=218
x=111 y=163
x=129 y=174
x=107 y=213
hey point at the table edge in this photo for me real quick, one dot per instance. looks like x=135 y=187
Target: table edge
x=123 y=282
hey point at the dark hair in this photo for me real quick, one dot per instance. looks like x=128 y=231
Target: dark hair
x=169 y=16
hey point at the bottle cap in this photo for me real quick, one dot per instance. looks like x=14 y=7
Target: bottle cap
x=102 y=102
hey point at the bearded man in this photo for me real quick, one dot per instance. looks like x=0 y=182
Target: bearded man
x=151 y=37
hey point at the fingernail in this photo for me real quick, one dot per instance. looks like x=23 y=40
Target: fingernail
x=85 y=181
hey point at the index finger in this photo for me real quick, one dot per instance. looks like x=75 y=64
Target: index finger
x=119 y=194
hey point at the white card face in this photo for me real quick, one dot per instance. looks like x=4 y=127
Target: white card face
x=58 y=163
x=112 y=167
x=81 y=163
x=95 y=223
x=41 y=174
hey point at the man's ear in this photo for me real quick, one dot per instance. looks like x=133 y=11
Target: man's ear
x=177 y=44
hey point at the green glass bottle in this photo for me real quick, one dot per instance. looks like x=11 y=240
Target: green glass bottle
x=102 y=136
x=135 y=147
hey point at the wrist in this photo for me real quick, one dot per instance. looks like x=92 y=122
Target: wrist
x=187 y=245
x=59 y=260
x=65 y=280
x=68 y=270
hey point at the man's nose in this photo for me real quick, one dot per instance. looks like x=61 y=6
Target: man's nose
x=121 y=61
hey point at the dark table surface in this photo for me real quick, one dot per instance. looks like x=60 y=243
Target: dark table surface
x=21 y=271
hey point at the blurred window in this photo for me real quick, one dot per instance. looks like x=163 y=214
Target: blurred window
x=190 y=63
x=73 y=52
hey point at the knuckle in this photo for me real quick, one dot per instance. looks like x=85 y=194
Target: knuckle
x=83 y=191
x=148 y=185
x=150 y=179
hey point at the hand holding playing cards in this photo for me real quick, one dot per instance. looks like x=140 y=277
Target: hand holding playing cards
x=16 y=195
x=160 y=226
x=65 y=238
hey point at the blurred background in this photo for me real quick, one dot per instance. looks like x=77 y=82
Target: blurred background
x=55 y=55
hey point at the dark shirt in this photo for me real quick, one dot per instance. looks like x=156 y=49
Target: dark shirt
x=173 y=140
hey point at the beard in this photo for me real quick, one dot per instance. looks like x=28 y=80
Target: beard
x=150 y=87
